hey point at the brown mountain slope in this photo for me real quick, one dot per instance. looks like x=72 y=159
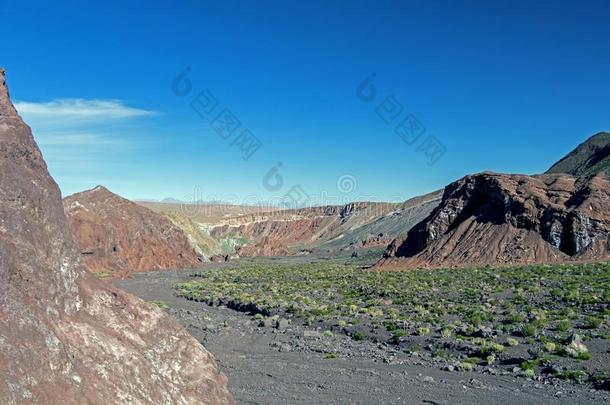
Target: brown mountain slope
x=66 y=337
x=327 y=228
x=118 y=236
x=589 y=158
x=500 y=219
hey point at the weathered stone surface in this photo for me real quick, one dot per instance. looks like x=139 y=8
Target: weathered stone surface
x=496 y=219
x=118 y=236
x=66 y=337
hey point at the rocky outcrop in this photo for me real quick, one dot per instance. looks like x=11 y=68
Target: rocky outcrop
x=118 y=236
x=66 y=337
x=491 y=219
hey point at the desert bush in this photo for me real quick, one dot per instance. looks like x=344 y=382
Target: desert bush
x=593 y=322
x=359 y=336
x=575 y=375
x=446 y=332
x=465 y=366
x=529 y=330
x=564 y=325
x=584 y=356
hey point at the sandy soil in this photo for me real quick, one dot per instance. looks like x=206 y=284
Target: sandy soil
x=266 y=365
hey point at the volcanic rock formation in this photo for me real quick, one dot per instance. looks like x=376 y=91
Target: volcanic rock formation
x=118 y=236
x=491 y=219
x=66 y=337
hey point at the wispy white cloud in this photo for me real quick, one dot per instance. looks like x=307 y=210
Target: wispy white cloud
x=89 y=139
x=78 y=139
x=77 y=109
x=80 y=123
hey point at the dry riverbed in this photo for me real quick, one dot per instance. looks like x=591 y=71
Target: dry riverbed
x=274 y=361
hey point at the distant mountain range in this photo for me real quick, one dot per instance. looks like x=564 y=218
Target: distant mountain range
x=171 y=200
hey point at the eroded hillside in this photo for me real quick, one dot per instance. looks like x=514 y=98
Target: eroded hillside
x=318 y=229
x=491 y=219
x=116 y=236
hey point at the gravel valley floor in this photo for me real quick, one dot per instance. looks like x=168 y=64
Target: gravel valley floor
x=267 y=365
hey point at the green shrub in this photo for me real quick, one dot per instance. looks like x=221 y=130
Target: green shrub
x=600 y=376
x=529 y=330
x=446 y=332
x=423 y=331
x=497 y=347
x=550 y=347
x=593 y=322
x=442 y=353
x=529 y=373
x=390 y=326
x=576 y=375
x=585 y=356
x=465 y=366
x=515 y=318
x=359 y=336
x=564 y=325
x=529 y=364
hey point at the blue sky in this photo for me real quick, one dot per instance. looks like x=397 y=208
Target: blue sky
x=503 y=86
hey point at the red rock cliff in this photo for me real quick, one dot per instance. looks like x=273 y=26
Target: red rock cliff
x=65 y=337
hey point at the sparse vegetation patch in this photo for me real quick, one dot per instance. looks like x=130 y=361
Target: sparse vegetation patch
x=531 y=320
